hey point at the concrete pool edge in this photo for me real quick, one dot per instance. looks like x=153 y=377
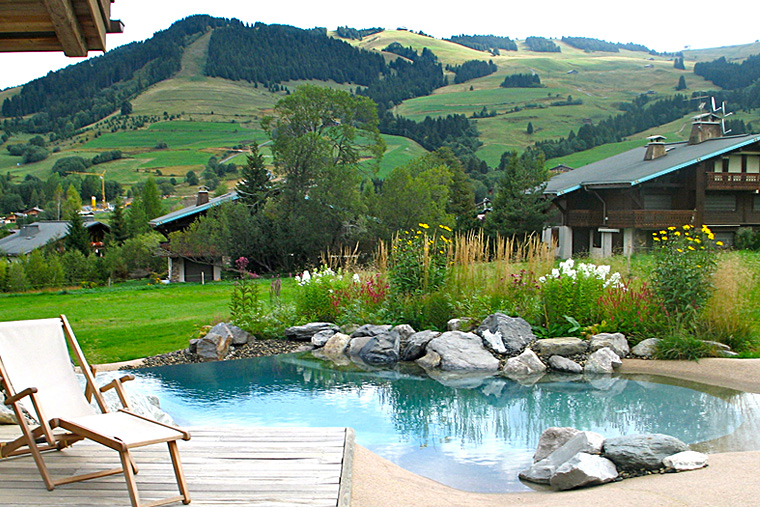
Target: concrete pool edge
x=729 y=480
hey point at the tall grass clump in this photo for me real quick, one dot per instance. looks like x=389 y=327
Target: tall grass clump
x=724 y=317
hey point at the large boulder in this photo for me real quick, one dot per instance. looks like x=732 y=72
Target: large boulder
x=583 y=470
x=524 y=365
x=213 y=346
x=240 y=336
x=552 y=439
x=542 y=471
x=356 y=345
x=404 y=331
x=464 y=324
x=429 y=361
x=305 y=332
x=381 y=349
x=642 y=451
x=371 y=330
x=646 y=348
x=413 y=347
x=564 y=364
x=515 y=333
x=615 y=341
x=603 y=361
x=565 y=347
x=336 y=345
x=462 y=351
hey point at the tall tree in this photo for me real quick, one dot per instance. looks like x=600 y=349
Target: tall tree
x=77 y=237
x=255 y=186
x=119 y=231
x=151 y=199
x=73 y=202
x=519 y=206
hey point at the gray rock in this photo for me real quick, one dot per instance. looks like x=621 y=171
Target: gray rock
x=336 y=345
x=193 y=345
x=357 y=344
x=462 y=351
x=213 y=346
x=321 y=338
x=542 y=471
x=466 y=324
x=429 y=361
x=371 y=330
x=569 y=346
x=645 y=348
x=305 y=332
x=221 y=329
x=552 y=439
x=643 y=451
x=515 y=333
x=524 y=365
x=404 y=331
x=583 y=470
x=602 y=361
x=493 y=342
x=381 y=349
x=687 y=460
x=615 y=341
x=413 y=347
x=564 y=364
x=240 y=336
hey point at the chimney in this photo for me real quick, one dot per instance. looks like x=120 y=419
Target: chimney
x=655 y=148
x=705 y=126
x=202 y=196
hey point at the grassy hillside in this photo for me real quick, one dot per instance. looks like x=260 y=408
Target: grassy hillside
x=218 y=114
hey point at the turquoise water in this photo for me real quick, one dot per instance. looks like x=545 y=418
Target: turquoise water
x=472 y=433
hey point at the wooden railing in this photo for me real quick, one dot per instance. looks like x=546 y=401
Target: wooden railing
x=733 y=181
x=638 y=219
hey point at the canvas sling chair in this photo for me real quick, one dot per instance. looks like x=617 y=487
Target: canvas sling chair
x=39 y=379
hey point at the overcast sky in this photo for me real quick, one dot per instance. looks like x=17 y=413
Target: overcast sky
x=665 y=26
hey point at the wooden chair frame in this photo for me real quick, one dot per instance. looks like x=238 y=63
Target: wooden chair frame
x=42 y=438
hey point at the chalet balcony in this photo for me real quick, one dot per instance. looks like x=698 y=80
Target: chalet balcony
x=636 y=219
x=733 y=181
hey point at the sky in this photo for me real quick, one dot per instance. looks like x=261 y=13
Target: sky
x=667 y=26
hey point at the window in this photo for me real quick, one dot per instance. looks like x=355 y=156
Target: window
x=756 y=203
x=720 y=202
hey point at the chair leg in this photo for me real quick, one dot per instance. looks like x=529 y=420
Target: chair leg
x=178 y=473
x=129 y=477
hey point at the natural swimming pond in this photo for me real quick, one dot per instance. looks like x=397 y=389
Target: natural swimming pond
x=469 y=432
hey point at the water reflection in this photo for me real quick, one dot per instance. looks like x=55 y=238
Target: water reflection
x=470 y=432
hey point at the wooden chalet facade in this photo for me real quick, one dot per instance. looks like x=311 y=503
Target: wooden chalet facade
x=614 y=205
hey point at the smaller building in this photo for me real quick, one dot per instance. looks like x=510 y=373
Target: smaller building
x=38 y=234
x=191 y=268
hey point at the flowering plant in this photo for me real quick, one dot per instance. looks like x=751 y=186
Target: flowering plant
x=574 y=290
x=314 y=297
x=684 y=264
x=419 y=259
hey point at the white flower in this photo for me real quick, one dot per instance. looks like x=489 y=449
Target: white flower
x=356 y=278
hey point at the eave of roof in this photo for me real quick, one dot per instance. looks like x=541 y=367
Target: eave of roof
x=192 y=210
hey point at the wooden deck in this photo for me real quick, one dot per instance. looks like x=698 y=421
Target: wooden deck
x=258 y=467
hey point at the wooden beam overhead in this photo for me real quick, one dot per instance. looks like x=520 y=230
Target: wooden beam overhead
x=67 y=27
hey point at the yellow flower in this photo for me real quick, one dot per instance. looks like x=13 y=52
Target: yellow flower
x=711 y=236
x=656 y=238
x=696 y=240
x=691 y=247
x=445 y=228
x=664 y=238
x=719 y=243
x=663 y=232
x=677 y=233
x=686 y=227
x=672 y=228
x=679 y=250
x=424 y=226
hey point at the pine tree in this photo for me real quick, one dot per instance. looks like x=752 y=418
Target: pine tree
x=681 y=83
x=151 y=199
x=77 y=237
x=529 y=130
x=119 y=231
x=255 y=187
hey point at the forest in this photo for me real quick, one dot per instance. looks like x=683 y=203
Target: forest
x=729 y=75
x=471 y=69
x=541 y=45
x=485 y=42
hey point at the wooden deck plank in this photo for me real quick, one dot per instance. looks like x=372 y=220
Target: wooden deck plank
x=261 y=467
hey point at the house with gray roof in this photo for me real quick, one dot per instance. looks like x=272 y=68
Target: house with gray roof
x=613 y=205
x=38 y=234
x=186 y=268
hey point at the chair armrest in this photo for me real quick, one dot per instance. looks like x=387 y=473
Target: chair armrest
x=117 y=383
x=16 y=397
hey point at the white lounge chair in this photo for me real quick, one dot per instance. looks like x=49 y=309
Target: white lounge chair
x=39 y=378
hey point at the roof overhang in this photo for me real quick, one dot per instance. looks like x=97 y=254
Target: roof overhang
x=72 y=26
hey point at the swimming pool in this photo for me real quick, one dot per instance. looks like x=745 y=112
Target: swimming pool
x=470 y=432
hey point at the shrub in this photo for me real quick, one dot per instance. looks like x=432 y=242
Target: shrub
x=684 y=263
x=747 y=239
x=314 y=295
x=680 y=343
x=363 y=300
x=632 y=310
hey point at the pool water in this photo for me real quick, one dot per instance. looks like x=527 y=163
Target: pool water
x=470 y=432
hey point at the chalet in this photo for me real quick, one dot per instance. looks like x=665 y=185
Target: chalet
x=38 y=234
x=613 y=206
x=191 y=268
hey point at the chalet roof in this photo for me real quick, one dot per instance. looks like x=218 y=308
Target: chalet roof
x=38 y=234
x=190 y=211
x=630 y=169
x=72 y=26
